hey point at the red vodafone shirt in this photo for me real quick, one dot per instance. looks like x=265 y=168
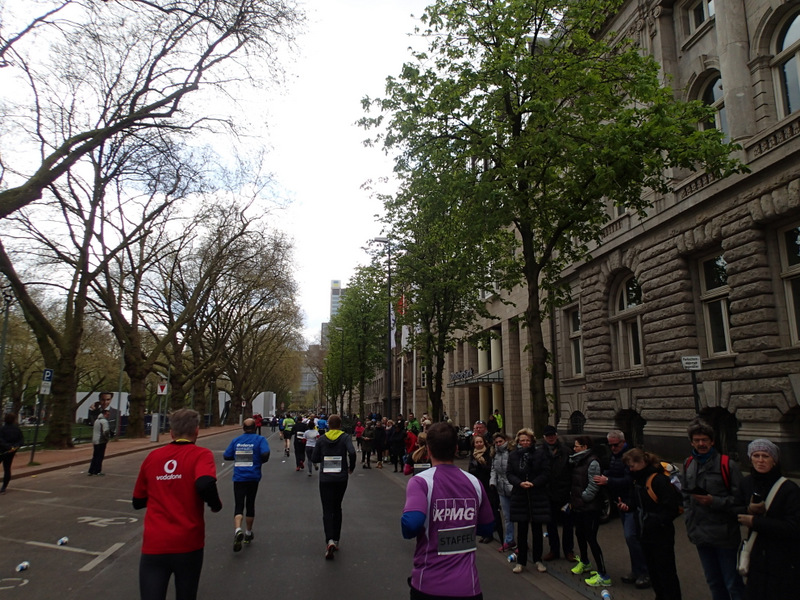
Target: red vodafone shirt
x=173 y=521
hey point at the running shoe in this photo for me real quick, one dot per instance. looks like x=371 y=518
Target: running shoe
x=248 y=537
x=597 y=580
x=238 y=538
x=329 y=550
x=581 y=567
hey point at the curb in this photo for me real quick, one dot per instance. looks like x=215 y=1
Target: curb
x=39 y=469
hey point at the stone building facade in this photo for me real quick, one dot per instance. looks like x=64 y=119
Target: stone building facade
x=710 y=275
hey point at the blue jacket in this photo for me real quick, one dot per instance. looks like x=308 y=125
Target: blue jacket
x=248 y=451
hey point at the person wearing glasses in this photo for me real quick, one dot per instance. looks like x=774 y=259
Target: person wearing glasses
x=620 y=486
x=480 y=428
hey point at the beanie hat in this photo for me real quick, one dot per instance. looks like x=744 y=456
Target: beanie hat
x=764 y=445
x=549 y=430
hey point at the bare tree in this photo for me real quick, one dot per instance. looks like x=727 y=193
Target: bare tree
x=123 y=67
x=61 y=246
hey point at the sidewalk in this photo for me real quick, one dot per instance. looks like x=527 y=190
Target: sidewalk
x=50 y=460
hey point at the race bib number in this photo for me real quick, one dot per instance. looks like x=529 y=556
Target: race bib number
x=243 y=459
x=420 y=467
x=331 y=464
x=458 y=540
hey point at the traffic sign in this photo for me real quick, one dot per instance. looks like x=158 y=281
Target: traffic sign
x=162 y=388
x=691 y=363
x=47 y=381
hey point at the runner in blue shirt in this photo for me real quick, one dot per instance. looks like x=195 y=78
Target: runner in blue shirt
x=248 y=451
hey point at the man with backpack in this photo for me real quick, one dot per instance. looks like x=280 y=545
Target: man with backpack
x=710 y=488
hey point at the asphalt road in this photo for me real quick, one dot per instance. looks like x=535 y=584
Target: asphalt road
x=285 y=561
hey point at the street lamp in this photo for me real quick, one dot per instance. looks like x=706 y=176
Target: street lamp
x=7 y=298
x=388 y=406
x=341 y=373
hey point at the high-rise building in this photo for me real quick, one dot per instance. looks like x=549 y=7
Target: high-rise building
x=337 y=292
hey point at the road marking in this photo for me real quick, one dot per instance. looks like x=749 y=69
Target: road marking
x=19 y=489
x=106 y=521
x=93 y=563
x=19 y=580
x=67 y=548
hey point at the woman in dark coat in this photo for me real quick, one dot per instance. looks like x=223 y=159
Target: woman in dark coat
x=775 y=555
x=11 y=439
x=480 y=465
x=380 y=442
x=397 y=444
x=528 y=472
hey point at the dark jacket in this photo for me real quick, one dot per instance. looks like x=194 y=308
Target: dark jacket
x=654 y=517
x=560 y=472
x=335 y=443
x=368 y=439
x=482 y=471
x=397 y=439
x=775 y=557
x=584 y=491
x=532 y=504
x=714 y=525
x=10 y=437
x=620 y=481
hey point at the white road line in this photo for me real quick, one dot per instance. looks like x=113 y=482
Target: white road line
x=67 y=548
x=19 y=489
x=93 y=563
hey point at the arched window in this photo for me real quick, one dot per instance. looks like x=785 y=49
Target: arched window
x=626 y=325
x=712 y=96
x=786 y=51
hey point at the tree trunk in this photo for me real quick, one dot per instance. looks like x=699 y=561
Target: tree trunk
x=62 y=404
x=538 y=358
x=137 y=373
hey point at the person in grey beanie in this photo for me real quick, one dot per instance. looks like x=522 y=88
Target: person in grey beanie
x=773 y=515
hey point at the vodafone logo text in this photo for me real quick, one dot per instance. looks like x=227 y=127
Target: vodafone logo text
x=169 y=468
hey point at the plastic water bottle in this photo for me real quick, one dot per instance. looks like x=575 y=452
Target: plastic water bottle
x=512 y=558
x=63 y=541
x=23 y=566
x=605 y=595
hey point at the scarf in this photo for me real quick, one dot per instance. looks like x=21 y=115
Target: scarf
x=478 y=455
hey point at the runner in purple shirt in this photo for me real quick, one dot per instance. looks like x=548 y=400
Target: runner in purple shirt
x=446 y=510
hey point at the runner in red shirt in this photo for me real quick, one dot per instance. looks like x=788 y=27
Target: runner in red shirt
x=174 y=481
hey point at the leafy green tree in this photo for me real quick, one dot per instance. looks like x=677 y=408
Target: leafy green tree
x=566 y=116
x=362 y=317
x=446 y=280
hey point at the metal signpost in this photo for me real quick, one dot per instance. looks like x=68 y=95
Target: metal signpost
x=693 y=364
x=44 y=390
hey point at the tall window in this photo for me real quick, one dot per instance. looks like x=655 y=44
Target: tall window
x=716 y=305
x=712 y=96
x=575 y=340
x=790 y=272
x=700 y=12
x=786 y=51
x=626 y=325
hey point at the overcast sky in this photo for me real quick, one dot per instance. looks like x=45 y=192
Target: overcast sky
x=349 y=49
